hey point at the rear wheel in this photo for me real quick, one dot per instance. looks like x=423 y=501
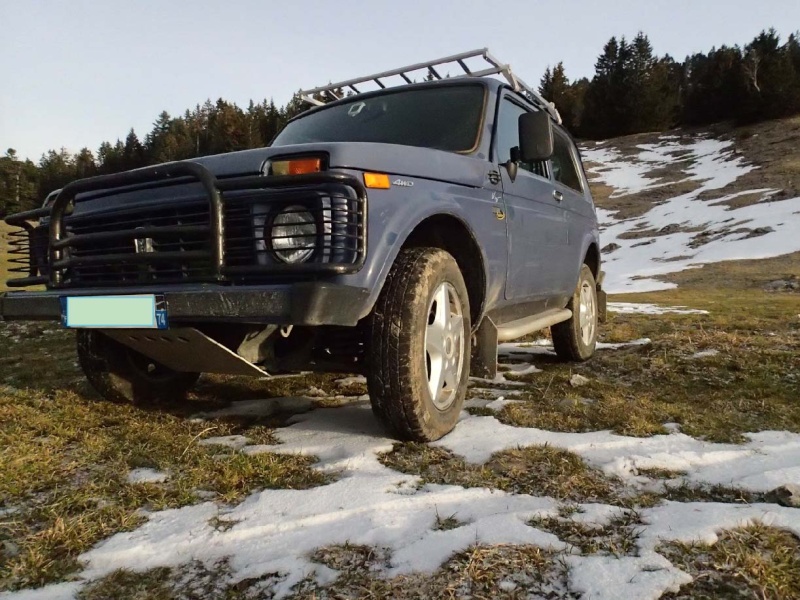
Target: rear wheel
x=120 y=374
x=419 y=346
x=576 y=338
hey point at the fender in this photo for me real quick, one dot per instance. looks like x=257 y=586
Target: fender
x=394 y=214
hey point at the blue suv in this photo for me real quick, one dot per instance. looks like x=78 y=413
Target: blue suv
x=401 y=233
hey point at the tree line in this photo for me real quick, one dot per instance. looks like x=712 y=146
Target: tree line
x=633 y=90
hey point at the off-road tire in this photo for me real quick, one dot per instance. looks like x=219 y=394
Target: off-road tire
x=398 y=377
x=120 y=374
x=567 y=338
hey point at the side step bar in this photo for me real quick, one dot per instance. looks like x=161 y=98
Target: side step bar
x=522 y=327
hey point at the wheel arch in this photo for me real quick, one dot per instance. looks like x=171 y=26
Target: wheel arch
x=592 y=259
x=451 y=233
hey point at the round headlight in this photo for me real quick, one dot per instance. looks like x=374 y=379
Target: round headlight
x=293 y=236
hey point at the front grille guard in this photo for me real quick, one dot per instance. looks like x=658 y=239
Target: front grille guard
x=58 y=261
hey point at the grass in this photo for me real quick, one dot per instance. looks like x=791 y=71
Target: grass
x=752 y=562
x=752 y=384
x=617 y=538
x=64 y=456
x=535 y=470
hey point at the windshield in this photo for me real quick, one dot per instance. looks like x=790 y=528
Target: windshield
x=445 y=118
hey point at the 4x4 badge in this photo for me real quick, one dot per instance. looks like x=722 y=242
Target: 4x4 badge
x=403 y=183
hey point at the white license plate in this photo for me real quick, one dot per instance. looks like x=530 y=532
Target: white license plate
x=143 y=311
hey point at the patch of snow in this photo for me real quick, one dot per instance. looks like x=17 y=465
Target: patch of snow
x=56 y=591
x=145 y=475
x=768 y=460
x=618 y=345
x=713 y=165
x=628 y=308
x=522 y=369
x=276 y=530
x=357 y=380
x=499 y=379
x=643 y=577
x=705 y=353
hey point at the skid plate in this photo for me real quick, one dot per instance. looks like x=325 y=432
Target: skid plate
x=185 y=349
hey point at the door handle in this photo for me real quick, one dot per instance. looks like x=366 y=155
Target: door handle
x=558 y=195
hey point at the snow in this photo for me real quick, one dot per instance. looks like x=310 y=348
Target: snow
x=145 y=475
x=276 y=530
x=347 y=381
x=643 y=577
x=712 y=165
x=705 y=353
x=769 y=459
x=57 y=591
x=629 y=308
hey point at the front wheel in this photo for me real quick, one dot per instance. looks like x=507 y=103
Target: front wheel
x=122 y=375
x=419 y=346
x=576 y=338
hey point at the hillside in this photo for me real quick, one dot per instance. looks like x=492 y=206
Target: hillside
x=668 y=469
x=675 y=201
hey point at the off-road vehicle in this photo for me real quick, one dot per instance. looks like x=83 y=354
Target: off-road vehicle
x=401 y=233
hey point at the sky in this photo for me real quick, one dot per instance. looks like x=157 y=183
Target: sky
x=76 y=73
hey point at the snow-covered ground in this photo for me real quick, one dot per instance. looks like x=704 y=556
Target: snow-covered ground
x=762 y=230
x=275 y=531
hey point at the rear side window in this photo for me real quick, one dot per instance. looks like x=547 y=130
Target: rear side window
x=508 y=136
x=564 y=168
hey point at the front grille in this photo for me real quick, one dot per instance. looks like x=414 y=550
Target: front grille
x=169 y=245
x=176 y=242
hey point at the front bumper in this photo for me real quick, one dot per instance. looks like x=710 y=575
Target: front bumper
x=292 y=304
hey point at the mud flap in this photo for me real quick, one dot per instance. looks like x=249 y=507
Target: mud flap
x=484 y=350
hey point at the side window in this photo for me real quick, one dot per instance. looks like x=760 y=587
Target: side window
x=564 y=168
x=508 y=136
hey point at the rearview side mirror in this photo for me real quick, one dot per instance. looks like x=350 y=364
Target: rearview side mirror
x=535 y=136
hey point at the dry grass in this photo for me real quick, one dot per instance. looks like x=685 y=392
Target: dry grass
x=753 y=562
x=536 y=470
x=752 y=384
x=65 y=457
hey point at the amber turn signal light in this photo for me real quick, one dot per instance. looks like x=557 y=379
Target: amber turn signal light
x=377 y=181
x=296 y=166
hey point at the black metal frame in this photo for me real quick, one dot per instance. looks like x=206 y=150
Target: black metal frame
x=173 y=174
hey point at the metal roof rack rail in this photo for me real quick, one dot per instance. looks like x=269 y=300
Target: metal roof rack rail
x=329 y=92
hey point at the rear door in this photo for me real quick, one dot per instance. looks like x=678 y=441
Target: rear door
x=576 y=202
x=538 y=233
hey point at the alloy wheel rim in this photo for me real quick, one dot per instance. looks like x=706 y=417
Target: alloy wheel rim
x=444 y=345
x=588 y=313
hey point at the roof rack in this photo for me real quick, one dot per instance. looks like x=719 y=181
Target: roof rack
x=329 y=92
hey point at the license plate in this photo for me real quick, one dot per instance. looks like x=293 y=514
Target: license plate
x=143 y=311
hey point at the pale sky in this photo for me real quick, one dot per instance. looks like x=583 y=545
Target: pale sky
x=75 y=73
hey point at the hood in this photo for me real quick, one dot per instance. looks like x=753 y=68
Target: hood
x=409 y=161
x=395 y=160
